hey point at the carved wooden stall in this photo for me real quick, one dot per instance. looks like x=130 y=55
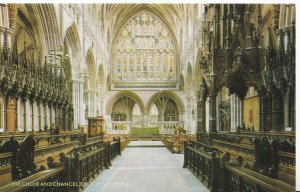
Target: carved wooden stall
x=204 y=162
x=69 y=159
x=270 y=156
x=239 y=56
x=37 y=84
x=29 y=153
x=42 y=181
x=86 y=161
x=219 y=173
x=238 y=178
x=5 y=168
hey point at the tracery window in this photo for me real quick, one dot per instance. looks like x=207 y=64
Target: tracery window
x=144 y=50
x=153 y=113
x=171 y=111
x=136 y=113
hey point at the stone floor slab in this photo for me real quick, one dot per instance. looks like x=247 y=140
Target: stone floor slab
x=147 y=170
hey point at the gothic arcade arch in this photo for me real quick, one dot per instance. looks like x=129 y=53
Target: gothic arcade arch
x=73 y=46
x=121 y=94
x=169 y=94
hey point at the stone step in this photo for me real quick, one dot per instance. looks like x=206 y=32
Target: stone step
x=146 y=144
x=145 y=137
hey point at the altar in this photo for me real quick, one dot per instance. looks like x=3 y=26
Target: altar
x=144 y=130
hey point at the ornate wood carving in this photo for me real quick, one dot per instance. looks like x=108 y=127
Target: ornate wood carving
x=266 y=156
x=275 y=15
x=21 y=78
x=239 y=60
x=12 y=11
x=26 y=158
x=204 y=163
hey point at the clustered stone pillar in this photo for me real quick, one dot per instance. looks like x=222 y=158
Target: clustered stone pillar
x=78 y=106
x=212 y=113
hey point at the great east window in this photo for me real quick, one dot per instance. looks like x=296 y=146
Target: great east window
x=144 y=51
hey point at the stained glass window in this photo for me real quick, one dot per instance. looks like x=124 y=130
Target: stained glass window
x=144 y=50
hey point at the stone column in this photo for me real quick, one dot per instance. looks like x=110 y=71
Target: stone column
x=29 y=126
x=293 y=14
x=46 y=115
x=5 y=112
x=81 y=104
x=212 y=112
x=88 y=103
x=50 y=115
x=1 y=38
x=188 y=117
x=20 y=125
x=78 y=104
x=236 y=112
x=32 y=116
x=56 y=118
x=100 y=102
x=25 y=115
x=287 y=15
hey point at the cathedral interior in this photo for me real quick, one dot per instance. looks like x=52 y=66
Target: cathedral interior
x=147 y=97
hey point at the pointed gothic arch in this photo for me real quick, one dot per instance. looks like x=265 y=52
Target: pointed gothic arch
x=91 y=68
x=170 y=94
x=101 y=76
x=141 y=42
x=73 y=46
x=114 y=98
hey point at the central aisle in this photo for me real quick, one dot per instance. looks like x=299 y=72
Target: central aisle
x=147 y=169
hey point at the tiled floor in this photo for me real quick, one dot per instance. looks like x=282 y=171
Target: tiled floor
x=147 y=170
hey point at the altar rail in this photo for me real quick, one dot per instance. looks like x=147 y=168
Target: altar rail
x=166 y=127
